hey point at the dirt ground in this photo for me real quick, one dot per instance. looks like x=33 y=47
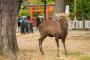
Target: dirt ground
x=77 y=44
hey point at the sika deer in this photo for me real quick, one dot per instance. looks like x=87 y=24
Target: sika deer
x=57 y=29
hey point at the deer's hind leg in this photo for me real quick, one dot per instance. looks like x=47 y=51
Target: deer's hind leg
x=63 y=41
x=57 y=42
x=40 y=42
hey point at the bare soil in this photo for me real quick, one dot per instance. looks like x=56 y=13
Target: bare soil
x=77 y=43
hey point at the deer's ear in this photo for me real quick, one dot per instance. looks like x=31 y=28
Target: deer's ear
x=58 y=19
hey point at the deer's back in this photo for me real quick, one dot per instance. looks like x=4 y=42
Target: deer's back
x=51 y=28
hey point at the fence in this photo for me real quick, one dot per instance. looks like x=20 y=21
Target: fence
x=73 y=25
x=78 y=24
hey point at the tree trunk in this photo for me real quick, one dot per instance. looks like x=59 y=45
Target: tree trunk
x=8 y=42
x=59 y=7
x=83 y=20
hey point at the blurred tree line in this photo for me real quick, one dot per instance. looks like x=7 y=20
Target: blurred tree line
x=79 y=9
x=23 y=11
x=71 y=8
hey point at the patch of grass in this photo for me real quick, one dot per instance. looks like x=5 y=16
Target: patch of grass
x=85 y=58
x=73 y=53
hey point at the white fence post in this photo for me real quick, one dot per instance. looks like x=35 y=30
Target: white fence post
x=71 y=25
x=78 y=25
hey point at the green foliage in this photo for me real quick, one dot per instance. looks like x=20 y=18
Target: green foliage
x=85 y=58
x=71 y=53
x=33 y=1
x=37 y=13
x=23 y=13
x=86 y=9
x=40 y=1
x=79 y=8
x=50 y=1
x=71 y=8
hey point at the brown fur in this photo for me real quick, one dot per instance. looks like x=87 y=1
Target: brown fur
x=57 y=29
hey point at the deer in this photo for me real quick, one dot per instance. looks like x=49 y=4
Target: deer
x=57 y=29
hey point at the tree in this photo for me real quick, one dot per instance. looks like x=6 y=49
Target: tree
x=86 y=9
x=8 y=42
x=59 y=7
x=79 y=8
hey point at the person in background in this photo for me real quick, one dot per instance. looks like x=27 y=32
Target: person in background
x=18 y=21
x=23 y=24
x=30 y=24
x=38 y=21
x=26 y=25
